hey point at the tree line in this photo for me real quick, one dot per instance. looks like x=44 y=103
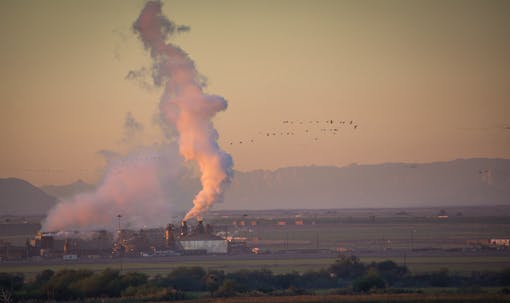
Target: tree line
x=347 y=275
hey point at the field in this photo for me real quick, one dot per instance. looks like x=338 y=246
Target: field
x=364 y=231
x=373 y=298
x=275 y=263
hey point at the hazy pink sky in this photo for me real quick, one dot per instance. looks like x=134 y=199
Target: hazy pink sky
x=424 y=80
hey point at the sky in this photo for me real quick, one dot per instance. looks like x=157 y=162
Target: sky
x=423 y=81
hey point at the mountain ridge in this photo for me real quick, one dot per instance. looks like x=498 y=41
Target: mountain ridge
x=477 y=181
x=19 y=197
x=466 y=182
x=66 y=191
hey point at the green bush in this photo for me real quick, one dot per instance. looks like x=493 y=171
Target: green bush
x=64 y=285
x=246 y=280
x=389 y=271
x=317 y=279
x=348 y=268
x=11 y=282
x=440 y=278
x=474 y=289
x=153 y=292
x=504 y=291
x=186 y=279
x=368 y=283
x=213 y=279
x=228 y=288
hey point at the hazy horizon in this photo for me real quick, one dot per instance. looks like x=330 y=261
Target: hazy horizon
x=297 y=166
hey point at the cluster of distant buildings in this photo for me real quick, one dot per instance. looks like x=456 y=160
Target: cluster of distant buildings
x=200 y=239
x=243 y=223
x=170 y=241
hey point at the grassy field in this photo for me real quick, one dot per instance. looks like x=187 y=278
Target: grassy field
x=389 y=234
x=387 y=298
x=458 y=264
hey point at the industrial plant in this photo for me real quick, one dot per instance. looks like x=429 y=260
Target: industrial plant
x=152 y=242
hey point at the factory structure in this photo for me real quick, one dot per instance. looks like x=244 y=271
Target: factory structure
x=201 y=240
x=170 y=241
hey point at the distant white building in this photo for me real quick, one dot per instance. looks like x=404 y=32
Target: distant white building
x=70 y=257
x=208 y=243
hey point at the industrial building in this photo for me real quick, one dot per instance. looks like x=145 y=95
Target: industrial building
x=202 y=241
x=45 y=244
x=170 y=241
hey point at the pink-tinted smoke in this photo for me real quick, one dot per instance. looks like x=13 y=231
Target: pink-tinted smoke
x=135 y=186
x=185 y=106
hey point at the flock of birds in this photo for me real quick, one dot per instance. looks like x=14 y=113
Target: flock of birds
x=313 y=128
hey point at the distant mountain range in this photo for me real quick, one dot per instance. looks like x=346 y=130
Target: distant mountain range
x=458 y=182
x=67 y=191
x=453 y=183
x=18 y=197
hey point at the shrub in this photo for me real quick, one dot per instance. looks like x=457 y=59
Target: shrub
x=64 y=285
x=389 y=271
x=153 y=292
x=261 y=280
x=11 y=282
x=504 y=291
x=186 y=279
x=317 y=279
x=474 y=289
x=284 y=281
x=440 y=278
x=367 y=283
x=348 y=268
x=228 y=288
x=213 y=280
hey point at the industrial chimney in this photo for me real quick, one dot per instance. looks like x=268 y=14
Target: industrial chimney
x=169 y=236
x=184 y=229
x=200 y=227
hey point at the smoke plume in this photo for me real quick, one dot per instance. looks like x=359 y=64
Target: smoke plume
x=145 y=187
x=185 y=106
x=131 y=128
x=148 y=185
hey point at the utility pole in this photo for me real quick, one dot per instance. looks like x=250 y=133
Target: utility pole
x=412 y=239
x=121 y=248
x=7 y=221
x=119 y=216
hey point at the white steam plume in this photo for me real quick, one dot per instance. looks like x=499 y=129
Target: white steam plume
x=132 y=128
x=145 y=187
x=149 y=185
x=185 y=106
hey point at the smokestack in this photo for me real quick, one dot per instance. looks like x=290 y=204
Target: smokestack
x=209 y=229
x=169 y=236
x=184 y=229
x=185 y=107
x=67 y=247
x=200 y=227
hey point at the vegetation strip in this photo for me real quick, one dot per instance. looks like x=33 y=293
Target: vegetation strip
x=348 y=278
